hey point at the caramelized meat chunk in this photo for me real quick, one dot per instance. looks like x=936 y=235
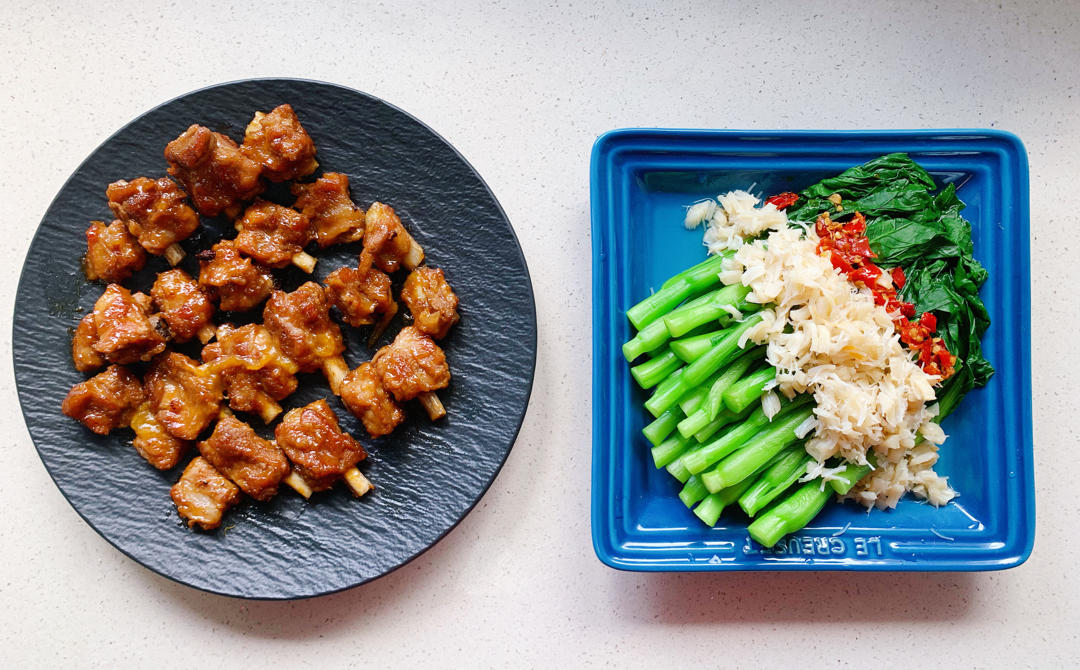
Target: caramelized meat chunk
x=153 y=442
x=236 y=282
x=213 y=170
x=184 y=396
x=255 y=371
x=363 y=394
x=183 y=305
x=155 y=211
x=335 y=218
x=272 y=234
x=112 y=253
x=412 y=364
x=361 y=297
x=387 y=244
x=431 y=301
x=203 y=495
x=252 y=463
x=105 y=401
x=301 y=322
x=82 y=346
x=313 y=441
x=125 y=331
x=280 y=144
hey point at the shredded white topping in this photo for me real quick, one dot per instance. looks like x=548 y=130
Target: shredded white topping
x=698 y=212
x=770 y=404
x=736 y=218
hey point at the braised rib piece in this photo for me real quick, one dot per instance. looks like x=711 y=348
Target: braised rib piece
x=155 y=213
x=153 y=442
x=256 y=465
x=280 y=145
x=203 y=495
x=213 y=170
x=413 y=366
x=186 y=309
x=362 y=297
x=234 y=281
x=184 y=396
x=126 y=333
x=82 y=346
x=301 y=322
x=363 y=394
x=275 y=235
x=387 y=244
x=431 y=301
x=105 y=401
x=256 y=373
x=335 y=218
x=320 y=453
x=112 y=253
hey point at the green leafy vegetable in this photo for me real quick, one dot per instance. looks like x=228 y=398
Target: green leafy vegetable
x=911 y=227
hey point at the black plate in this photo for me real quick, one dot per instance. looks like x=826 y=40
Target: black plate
x=427 y=476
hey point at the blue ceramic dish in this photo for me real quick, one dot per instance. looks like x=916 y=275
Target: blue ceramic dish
x=641 y=182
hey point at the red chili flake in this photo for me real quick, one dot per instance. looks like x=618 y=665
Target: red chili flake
x=928 y=321
x=862 y=247
x=898 y=278
x=867 y=274
x=857 y=225
x=782 y=200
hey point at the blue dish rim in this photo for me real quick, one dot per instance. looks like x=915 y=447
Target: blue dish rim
x=1021 y=547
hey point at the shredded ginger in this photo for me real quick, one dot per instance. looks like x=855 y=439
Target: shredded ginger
x=826 y=337
x=733 y=217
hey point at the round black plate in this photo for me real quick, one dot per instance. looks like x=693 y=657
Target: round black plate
x=427 y=476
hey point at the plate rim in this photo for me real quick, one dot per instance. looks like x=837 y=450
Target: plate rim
x=601 y=514
x=533 y=342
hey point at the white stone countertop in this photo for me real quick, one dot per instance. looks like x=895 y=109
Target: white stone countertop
x=522 y=90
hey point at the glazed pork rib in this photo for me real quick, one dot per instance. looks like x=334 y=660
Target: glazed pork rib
x=256 y=465
x=275 y=236
x=363 y=394
x=413 y=366
x=203 y=495
x=278 y=143
x=361 y=298
x=301 y=322
x=112 y=253
x=183 y=305
x=84 y=355
x=106 y=401
x=219 y=177
x=155 y=212
x=184 y=396
x=320 y=452
x=335 y=218
x=123 y=330
x=431 y=301
x=153 y=442
x=237 y=283
x=256 y=373
x=387 y=245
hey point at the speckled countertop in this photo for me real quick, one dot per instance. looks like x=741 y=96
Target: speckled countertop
x=522 y=90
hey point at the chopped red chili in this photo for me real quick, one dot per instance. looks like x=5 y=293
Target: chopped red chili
x=782 y=200
x=898 y=278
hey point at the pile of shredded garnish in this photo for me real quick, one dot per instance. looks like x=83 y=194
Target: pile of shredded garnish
x=827 y=337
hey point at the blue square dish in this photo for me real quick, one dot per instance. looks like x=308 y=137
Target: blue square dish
x=641 y=181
